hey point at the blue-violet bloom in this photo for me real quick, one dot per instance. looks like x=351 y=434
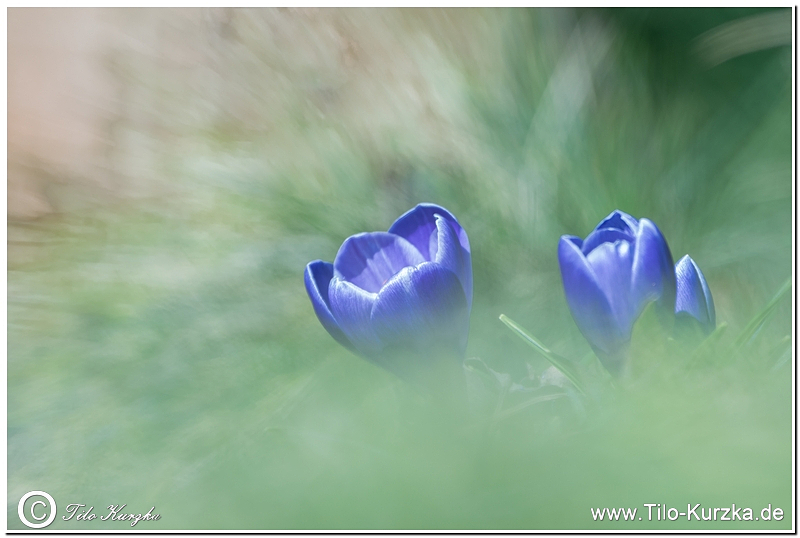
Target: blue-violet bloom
x=611 y=276
x=408 y=290
x=693 y=298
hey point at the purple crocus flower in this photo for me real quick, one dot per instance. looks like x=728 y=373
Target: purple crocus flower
x=611 y=276
x=408 y=290
x=693 y=298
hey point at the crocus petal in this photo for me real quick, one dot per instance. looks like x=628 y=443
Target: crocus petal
x=368 y=260
x=611 y=265
x=317 y=278
x=604 y=235
x=619 y=220
x=653 y=271
x=588 y=303
x=692 y=294
x=712 y=312
x=351 y=307
x=451 y=255
x=418 y=226
x=423 y=309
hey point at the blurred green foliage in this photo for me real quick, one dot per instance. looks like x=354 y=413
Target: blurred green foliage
x=163 y=352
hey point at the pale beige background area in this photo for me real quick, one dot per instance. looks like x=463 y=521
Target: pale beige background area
x=100 y=100
x=59 y=102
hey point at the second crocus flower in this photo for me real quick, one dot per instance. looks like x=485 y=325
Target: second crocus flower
x=611 y=276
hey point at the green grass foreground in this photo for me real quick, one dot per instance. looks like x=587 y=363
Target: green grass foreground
x=163 y=352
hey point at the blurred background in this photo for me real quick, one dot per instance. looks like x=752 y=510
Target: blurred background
x=171 y=172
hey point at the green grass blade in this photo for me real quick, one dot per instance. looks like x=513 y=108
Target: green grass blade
x=524 y=405
x=780 y=353
x=558 y=361
x=760 y=318
x=705 y=349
